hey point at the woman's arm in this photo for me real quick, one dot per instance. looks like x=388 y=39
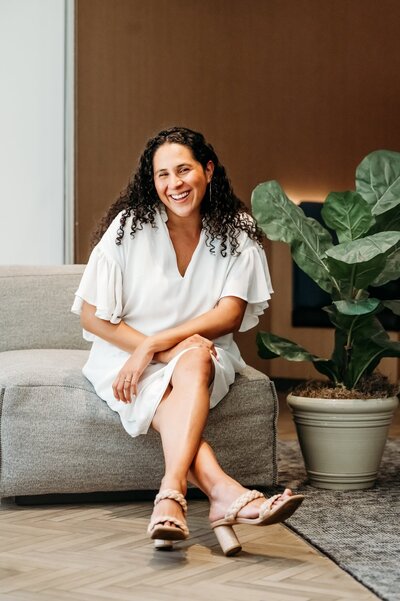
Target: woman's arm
x=225 y=318
x=120 y=334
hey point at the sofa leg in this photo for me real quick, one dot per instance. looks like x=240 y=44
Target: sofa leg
x=7 y=502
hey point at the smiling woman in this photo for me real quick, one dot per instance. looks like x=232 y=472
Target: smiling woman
x=181 y=184
x=223 y=214
x=161 y=306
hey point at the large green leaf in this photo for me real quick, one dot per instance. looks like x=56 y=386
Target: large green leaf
x=391 y=270
x=390 y=348
x=340 y=321
x=271 y=346
x=356 y=307
x=389 y=221
x=369 y=344
x=360 y=343
x=360 y=262
x=358 y=276
x=393 y=305
x=347 y=213
x=378 y=180
x=360 y=251
x=282 y=220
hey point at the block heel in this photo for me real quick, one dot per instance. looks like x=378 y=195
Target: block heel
x=228 y=540
x=163 y=545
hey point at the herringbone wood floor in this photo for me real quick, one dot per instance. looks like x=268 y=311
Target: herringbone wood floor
x=93 y=552
x=101 y=551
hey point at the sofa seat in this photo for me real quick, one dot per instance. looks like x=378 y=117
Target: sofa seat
x=58 y=436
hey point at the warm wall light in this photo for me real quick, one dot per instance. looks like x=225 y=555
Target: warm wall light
x=297 y=195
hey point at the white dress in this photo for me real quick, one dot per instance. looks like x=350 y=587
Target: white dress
x=139 y=282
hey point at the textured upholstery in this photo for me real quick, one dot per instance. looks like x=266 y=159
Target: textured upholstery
x=58 y=436
x=35 y=307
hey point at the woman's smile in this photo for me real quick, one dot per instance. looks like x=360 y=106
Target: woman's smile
x=181 y=196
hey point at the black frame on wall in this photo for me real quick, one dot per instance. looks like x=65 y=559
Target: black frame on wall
x=309 y=299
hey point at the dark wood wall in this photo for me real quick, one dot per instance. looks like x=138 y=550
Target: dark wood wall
x=293 y=90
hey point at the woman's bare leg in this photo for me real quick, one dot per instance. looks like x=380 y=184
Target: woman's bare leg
x=180 y=419
x=206 y=473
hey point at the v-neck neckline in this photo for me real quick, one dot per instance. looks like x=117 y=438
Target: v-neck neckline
x=174 y=261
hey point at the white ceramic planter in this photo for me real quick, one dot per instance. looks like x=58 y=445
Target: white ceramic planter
x=342 y=440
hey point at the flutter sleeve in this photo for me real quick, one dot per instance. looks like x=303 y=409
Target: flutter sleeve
x=101 y=286
x=248 y=278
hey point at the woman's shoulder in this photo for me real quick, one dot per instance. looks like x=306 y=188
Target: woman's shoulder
x=111 y=244
x=119 y=230
x=116 y=224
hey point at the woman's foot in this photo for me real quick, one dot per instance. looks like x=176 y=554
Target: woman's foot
x=231 y=504
x=225 y=493
x=168 y=507
x=169 y=514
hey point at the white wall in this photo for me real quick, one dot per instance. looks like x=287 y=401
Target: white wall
x=32 y=57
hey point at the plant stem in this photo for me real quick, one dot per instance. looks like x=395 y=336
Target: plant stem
x=349 y=344
x=352 y=278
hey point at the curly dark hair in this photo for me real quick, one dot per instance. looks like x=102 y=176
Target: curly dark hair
x=223 y=217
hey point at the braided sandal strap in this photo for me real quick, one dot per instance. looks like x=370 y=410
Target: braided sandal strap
x=241 y=501
x=174 y=495
x=267 y=506
x=168 y=518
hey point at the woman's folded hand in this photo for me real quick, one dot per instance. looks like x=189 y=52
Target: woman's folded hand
x=125 y=384
x=193 y=341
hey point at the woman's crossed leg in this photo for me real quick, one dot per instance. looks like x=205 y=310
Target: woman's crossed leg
x=180 y=419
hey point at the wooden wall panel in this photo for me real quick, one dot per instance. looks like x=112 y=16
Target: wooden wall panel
x=293 y=90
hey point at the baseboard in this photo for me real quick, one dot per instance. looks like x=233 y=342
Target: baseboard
x=113 y=496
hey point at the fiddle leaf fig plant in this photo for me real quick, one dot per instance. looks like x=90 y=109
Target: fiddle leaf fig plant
x=365 y=253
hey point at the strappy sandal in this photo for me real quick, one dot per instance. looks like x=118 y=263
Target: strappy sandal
x=163 y=535
x=223 y=529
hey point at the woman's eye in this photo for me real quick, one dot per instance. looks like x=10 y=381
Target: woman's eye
x=184 y=170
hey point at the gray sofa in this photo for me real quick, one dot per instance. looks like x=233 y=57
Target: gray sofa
x=58 y=436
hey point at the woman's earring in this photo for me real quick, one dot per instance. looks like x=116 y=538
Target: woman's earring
x=210 y=192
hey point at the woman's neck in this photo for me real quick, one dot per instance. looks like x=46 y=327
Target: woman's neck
x=190 y=225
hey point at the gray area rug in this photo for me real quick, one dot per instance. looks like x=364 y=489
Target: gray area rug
x=358 y=530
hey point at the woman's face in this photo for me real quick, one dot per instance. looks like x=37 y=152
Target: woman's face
x=180 y=180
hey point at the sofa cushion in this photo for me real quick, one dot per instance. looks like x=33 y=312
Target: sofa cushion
x=58 y=436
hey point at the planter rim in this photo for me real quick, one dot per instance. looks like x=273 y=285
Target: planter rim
x=342 y=405
x=311 y=398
